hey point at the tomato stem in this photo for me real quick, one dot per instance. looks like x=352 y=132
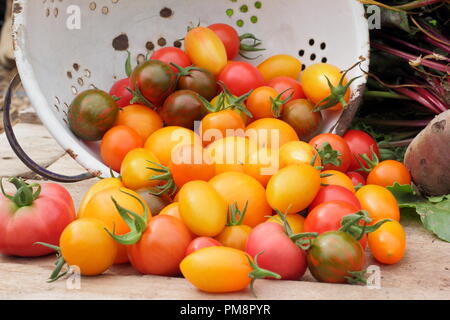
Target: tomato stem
x=351 y=224
x=25 y=194
x=259 y=273
x=138 y=97
x=253 y=47
x=371 y=163
x=277 y=103
x=169 y=187
x=329 y=156
x=59 y=264
x=233 y=219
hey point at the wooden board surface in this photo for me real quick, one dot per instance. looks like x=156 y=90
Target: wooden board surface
x=423 y=274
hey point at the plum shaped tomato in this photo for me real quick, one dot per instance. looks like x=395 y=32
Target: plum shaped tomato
x=388 y=243
x=91 y=114
x=151 y=82
x=379 y=202
x=141 y=118
x=229 y=37
x=281 y=65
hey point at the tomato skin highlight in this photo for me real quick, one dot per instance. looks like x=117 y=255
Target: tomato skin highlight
x=172 y=55
x=379 y=202
x=200 y=243
x=241 y=77
x=229 y=37
x=264 y=132
x=335 y=193
x=388 y=243
x=281 y=255
x=388 y=172
x=161 y=248
x=206 y=50
x=332 y=255
x=360 y=143
x=209 y=269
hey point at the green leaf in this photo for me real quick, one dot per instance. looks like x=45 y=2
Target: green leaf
x=434 y=212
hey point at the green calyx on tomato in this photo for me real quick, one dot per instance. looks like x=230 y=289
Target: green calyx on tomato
x=227 y=100
x=337 y=92
x=277 y=103
x=252 y=47
x=371 y=163
x=169 y=187
x=351 y=224
x=186 y=72
x=59 y=264
x=236 y=216
x=259 y=273
x=302 y=240
x=329 y=156
x=25 y=194
x=138 y=97
x=134 y=221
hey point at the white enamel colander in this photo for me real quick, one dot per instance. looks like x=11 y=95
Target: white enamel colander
x=63 y=47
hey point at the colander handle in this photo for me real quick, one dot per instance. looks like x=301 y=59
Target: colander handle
x=15 y=82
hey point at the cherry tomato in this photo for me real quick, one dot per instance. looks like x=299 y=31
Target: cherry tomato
x=182 y=108
x=281 y=65
x=229 y=37
x=191 y=162
x=388 y=243
x=360 y=143
x=91 y=114
x=271 y=133
x=335 y=193
x=230 y=154
x=116 y=143
x=333 y=255
x=357 y=178
x=172 y=55
x=172 y=209
x=164 y=141
x=297 y=152
x=293 y=188
x=379 y=202
x=97 y=187
x=339 y=158
x=262 y=164
x=141 y=118
x=388 y=172
x=85 y=243
x=161 y=248
x=263 y=102
x=289 y=86
x=239 y=188
x=300 y=116
x=218 y=125
x=120 y=90
x=314 y=81
x=135 y=170
x=198 y=80
x=200 y=243
x=154 y=80
x=280 y=254
x=206 y=50
x=241 y=77
x=202 y=209
x=235 y=236
x=209 y=269
x=296 y=222
x=337 y=178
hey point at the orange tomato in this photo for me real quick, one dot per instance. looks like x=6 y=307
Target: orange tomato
x=235 y=236
x=281 y=65
x=263 y=103
x=338 y=178
x=296 y=152
x=218 y=125
x=230 y=154
x=271 y=133
x=206 y=50
x=379 y=202
x=262 y=164
x=116 y=143
x=99 y=186
x=238 y=188
x=388 y=243
x=142 y=119
x=388 y=172
x=164 y=141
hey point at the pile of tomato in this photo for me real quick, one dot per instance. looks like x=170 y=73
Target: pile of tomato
x=224 y=177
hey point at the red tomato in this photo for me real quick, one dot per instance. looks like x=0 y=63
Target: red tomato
x=229 y=37
x=328 y=216
x=172 y=55
x=280 y=254
x=161 y=248
x=360 y=143
x=200 y=243
x=357 y=178
x=281 y=84
x=34 y=218
x=339 y=145
x=116 y=143
x=120 y=90
x=335 y=193
x=241 y=77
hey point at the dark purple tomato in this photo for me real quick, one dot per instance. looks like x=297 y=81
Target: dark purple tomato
x=199 y=80
x=299 y=114
x=91 y=114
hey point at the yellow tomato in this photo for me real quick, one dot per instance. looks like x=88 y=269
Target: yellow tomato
x=99 y=186
x=338 y=178
x=239 y=188
x=235 y=236
x=271 y=133
x=164 y=141
x=172 y=209
x=262 y=164
x=296 y=222
x=202 y=209
x=281 y=65
x=206 y=50
x=134 y=170
x=296 y=152
x=293 y=188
